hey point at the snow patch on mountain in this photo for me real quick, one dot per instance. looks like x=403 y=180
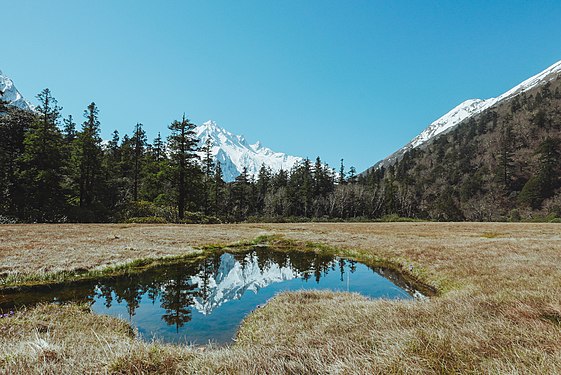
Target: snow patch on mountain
x=234 y=279
x=10 y=94
x=234 y=152
x=468 y=109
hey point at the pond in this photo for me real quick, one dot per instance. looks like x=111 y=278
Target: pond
x=206 y=300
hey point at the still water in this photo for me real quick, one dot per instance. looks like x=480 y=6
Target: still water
x=206 y=301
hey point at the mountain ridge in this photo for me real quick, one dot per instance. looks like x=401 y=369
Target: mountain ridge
x=233 y=152
x=10 y=94
x=466 y=110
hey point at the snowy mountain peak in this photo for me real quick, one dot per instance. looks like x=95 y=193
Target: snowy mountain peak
x=234 y=153
x=468 y=109
x=10 y=94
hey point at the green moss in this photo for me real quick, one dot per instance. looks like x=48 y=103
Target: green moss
x=416 y=276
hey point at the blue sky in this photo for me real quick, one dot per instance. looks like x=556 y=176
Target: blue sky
x=339 y=79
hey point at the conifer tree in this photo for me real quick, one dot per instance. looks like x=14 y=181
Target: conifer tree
x=263 y=186
x=88 y=157
x=139 y=144
x=218 y=189
x=208 y=171
x=342 y=173
x=43 y=161
x=69 y=130
x=182 y=144
x=506 y=163
x=158 y=148
x=241 y=194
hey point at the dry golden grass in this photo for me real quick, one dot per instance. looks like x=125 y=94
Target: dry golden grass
x=499 y=310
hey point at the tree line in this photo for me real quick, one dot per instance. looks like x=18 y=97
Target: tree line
x=56 y=170
x=502 y=165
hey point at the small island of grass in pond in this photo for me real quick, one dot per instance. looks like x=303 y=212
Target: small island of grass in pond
x=205 y=301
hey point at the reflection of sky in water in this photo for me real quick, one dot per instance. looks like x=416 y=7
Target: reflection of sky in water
x=233 y=291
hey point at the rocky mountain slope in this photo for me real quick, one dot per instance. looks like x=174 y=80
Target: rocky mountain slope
x=10 y=94
x=234 y=152
x=502 y=162
x=468 y=109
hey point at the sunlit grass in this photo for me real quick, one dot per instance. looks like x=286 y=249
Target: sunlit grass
x=498 y=311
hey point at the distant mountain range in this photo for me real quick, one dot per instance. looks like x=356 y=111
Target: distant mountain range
x=466 y=110
x=234 y=153
x=10 y=94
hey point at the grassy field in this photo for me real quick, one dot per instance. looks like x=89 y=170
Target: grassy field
x=498 y=310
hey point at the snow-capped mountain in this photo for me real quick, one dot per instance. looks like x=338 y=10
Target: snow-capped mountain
x=468 y=109
x=232 y=280
x=234 y=152
x=10 y=94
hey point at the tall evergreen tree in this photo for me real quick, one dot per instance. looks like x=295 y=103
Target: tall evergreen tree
x=43 y=161
x=139 y=144
x=14 y=125
x=158 y=148
x=182 y=144
x=69 y=130
x=263 y=186
x=342 y=173
x=241 y=195
x=208 y=171
x=89 y=157
x=218 y=189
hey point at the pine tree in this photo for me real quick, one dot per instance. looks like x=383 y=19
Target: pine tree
x=158 y=148
x=208 y=171
x=88 y=157
x=69 y=130
x=506 y=162
x=352 y=175
x=182 y=144
x=139 y=144
x=43 y=161
x=342 y=173
x=112 y=168
x=262 y=186
x=241 y=195
x=14 y=125
x=218 y=189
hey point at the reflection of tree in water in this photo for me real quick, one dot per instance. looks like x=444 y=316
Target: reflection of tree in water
x=207 y=270
x=131 y=293
x=177 y=297
x=175 y=289
x=342 y=268
x=106 y=292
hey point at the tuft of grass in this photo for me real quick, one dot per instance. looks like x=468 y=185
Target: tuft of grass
x=491 y=235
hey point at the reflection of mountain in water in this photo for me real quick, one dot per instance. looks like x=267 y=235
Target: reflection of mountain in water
x=207 y=298
x=233 y=278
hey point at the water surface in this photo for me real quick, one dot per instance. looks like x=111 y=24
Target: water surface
x=205 y=301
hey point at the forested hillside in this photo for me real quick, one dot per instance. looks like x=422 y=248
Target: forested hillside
x=503 y=164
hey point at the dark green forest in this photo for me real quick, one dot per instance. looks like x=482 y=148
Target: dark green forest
x=503 y=164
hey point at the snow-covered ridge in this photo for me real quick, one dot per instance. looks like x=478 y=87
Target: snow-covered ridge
x=10 y=94
x=234 y=152
x=468 y=109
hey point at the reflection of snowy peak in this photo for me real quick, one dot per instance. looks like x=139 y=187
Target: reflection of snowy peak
x=232 y=280
x=234 y=153
x=10 y=94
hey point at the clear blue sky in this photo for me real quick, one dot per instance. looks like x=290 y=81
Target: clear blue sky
x=340 y=79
